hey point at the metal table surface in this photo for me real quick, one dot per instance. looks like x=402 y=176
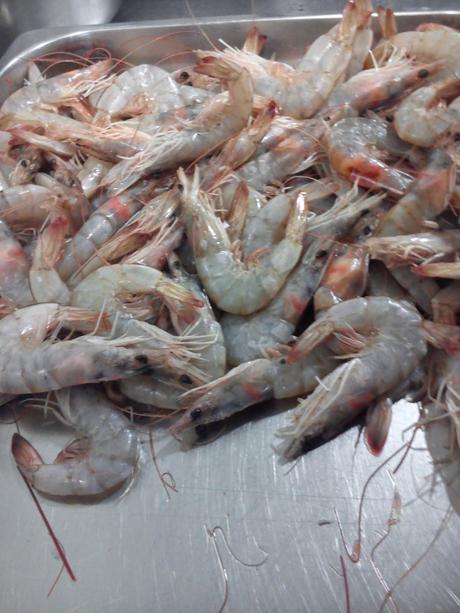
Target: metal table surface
x=147 y=552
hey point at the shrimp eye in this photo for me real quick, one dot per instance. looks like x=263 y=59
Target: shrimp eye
x=367 y=231
x=184 y=76
x=185 y=379
x=283 y=361
x=142 y=359
x=195 y=414
x=292 y=342
x=423 y=73
x=23 y=163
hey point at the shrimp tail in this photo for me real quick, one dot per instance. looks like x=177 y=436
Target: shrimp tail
x=444 y=270
x=442 y=336
x=255 y=41
x=27 y=458
x=378 y=421
x=218 y=68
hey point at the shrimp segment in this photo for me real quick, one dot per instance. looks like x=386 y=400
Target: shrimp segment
x=100 y=461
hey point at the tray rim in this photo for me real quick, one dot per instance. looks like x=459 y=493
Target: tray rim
x=32 y=41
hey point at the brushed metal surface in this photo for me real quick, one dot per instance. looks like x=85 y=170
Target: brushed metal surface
x=144 y=552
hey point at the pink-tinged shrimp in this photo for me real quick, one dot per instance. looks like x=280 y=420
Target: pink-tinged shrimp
x=100 y=226
x=422 y=119
x=375 y=87
x=32 y=364
x=152 y=218
x=14 y=269
x=251 y=383
x=58 y=90
x=357 y=148
x=44 y=143
x=345 y=277
x=223 y=117
x=407 y=249
x=103 y=458
x=238 y=149
x=45 y=283
x=301 y=93
x=443 y=270
x=362 y=42
x=238 y=287
x=28 y=206
x=144 y=89
x=388 y=343
x=427 y=197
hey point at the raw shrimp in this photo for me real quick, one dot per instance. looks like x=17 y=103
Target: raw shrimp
x=426 y=46
x=58 y=90
x=26 y=206
x=151 y=218
x=389 y=345
x=100 y=226
x=443 y=270
x=375 y=87
x=345 y=277
x=14 y=269
x=421 y=119
x=357 y=148
x=211 y=359
x=30 y=160
x=104 y=289
x=103 y=457
x=233 y=286
x=427 y=197
x=31 y=364
x=403 y=250
x=246 y=338
x=144 y=89
x=223 y=117
x=251 y=383
x=302 y=92
x=91 y=174
x=45 y=283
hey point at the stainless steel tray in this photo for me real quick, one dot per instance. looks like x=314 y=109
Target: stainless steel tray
x=145 y=552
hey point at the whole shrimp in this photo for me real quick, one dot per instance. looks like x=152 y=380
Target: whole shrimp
x=30 y=161
x=302 y=92
x=102 y=459
x=422 y=119
x=251 y=383
x=375 y=87
x=144 y=89
x=425 y=46
x=427 y=197
x=32 y=364
x=357 y=148
x=389 y=344
x=58 y=90
x=221 y=118
x=234 y=286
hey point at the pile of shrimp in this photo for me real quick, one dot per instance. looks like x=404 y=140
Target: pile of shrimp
x=190 y=244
